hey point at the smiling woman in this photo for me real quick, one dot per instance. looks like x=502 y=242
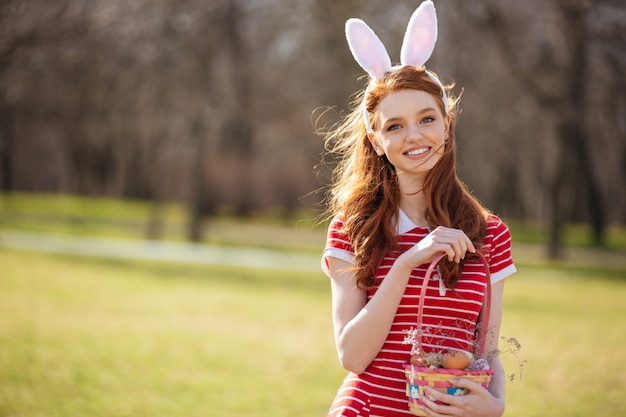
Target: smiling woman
x=397 y=205
x=412 y=135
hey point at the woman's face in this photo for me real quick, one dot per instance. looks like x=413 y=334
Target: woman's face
x=411 y=131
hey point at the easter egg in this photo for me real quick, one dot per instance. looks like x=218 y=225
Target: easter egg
x=457 y=359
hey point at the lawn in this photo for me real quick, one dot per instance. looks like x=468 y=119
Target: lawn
x=94 y=337
x=98 y=337
x=86 y=337
x=79 y=215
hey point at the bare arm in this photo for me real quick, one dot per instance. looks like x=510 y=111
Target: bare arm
x=496 y=386
x=361 y=327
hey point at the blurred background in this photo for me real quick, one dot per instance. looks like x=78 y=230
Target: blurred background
x=215 y=103
x=195 y=121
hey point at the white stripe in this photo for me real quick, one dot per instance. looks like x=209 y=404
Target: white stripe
x=500 y=275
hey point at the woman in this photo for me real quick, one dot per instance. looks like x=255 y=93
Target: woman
x=397 y=204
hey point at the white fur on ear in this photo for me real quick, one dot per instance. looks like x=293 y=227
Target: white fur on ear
x=417 y=47
x=367 y=49
x=420 y=36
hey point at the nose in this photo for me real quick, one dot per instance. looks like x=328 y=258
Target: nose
x=414 y=132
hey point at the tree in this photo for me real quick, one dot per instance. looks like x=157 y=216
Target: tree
x=214 y=103
x=557 y=74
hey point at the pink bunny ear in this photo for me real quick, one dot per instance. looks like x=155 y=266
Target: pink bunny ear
x=421 y=36
x=367 y=49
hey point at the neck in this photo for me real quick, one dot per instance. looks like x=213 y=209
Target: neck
x=410 y=184
x=414 y=206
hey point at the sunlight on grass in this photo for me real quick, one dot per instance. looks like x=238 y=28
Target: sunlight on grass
x=92 y=337
x=90 y=216
x=69 y=214
x=571 y=327
x=100 y=339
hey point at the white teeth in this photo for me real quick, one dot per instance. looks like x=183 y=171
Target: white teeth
x=417 y=151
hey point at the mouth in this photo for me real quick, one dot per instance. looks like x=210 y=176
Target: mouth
x=416 y=152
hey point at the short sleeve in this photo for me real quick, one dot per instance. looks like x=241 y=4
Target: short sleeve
x=338 y=245
x=498 y=242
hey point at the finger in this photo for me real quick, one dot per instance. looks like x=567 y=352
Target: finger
x=450 y=245
x=441 y=244
x=458 y=234
x=433 y=395
x=466 y=245
x=432 y=408
x=454 y=242
x=457 y=240
x=467 y=384
x=449 y=250
x=470 y=245
x=459 y=249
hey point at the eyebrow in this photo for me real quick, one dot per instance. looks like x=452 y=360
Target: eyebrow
x=420 y=112
x=426 y=110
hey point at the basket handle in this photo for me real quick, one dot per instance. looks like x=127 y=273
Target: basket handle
x=483 y=318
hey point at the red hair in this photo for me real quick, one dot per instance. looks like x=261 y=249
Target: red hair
x=366 y=189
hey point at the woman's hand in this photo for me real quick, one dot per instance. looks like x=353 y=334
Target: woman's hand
x=453 y=242
x=477 y=402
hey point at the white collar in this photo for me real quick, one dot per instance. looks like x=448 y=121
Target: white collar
x=404 y=224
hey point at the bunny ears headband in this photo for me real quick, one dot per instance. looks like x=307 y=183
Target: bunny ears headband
x=418 y=45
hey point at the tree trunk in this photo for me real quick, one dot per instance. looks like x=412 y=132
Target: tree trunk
x=197 y=201
x=6 y=141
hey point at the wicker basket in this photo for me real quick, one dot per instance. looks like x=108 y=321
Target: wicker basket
x=439 y=378
x=417 y=378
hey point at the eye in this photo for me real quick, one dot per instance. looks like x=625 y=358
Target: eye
x=428 y=119
x=393 y=127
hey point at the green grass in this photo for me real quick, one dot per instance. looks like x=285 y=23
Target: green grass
x=67 y=214
x=92 y=337
x=96 y=337
x=76 y=215
x=82 y=337
x=579 y=235
x=571 y=324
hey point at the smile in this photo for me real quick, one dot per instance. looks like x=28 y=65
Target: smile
x=417 y=151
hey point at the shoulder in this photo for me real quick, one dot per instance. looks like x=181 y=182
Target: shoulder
x=497 y=245
x=496 y=229
x=338 y=244
x=337 y=222
x=336 y=229
x=494 y=221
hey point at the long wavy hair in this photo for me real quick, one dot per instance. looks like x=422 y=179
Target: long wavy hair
x=366 y=191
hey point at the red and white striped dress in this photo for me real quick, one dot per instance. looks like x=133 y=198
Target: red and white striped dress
x=449 y=321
